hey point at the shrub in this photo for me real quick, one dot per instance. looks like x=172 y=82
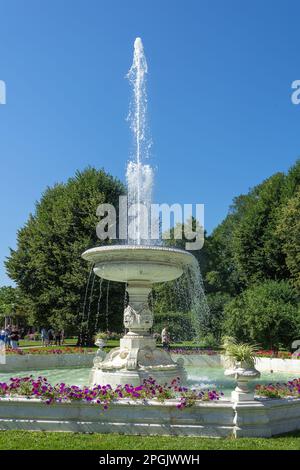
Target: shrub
x=108 y=335
x=240 y=352
x=266 y=313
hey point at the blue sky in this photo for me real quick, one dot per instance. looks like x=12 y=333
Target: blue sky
x=219 y=85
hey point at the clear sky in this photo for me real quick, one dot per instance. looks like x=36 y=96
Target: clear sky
x=220 y=74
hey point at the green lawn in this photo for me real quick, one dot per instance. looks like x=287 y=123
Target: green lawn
x=25 y=342
x=110 y=344
x=13 y=440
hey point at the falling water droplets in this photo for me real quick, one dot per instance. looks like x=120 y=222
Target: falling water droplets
x=83 y=328
x=107 y=307
x=98 y=304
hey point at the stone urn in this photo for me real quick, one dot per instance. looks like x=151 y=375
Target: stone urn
x=296 y=346
x=100 y=343
x=243 y=373
x=100 y=354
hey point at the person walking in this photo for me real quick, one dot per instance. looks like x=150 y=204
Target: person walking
x=57 y=337
x=165 y=338
x=50 y=336
x=7 y=338
x=44 y=337
x=14 y=338
x=3 y=336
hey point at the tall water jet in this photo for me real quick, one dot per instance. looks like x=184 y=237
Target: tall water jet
x=139 y=174
x=138 y=264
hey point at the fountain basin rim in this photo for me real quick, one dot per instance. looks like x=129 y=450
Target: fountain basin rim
x=104 y=253
x=146 y=264
x=127 y=263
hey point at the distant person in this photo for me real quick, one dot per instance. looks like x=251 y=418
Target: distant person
x=3 y=336
x=44 y=336
x=8 y=333
x=14 y=338
x=57 y=338
x=62 y=339
x=50 y=336
x=165 y=338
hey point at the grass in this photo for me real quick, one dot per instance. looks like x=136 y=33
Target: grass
x=29 y=440
x=113 y=343
x=25 y=342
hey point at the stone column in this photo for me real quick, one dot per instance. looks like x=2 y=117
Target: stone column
x=138 y=318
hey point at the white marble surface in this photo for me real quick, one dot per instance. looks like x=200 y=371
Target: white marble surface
x=211 y=419
x=14 y=363
x=262 y=364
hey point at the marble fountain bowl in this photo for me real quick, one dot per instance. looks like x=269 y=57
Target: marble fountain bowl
x=138 y=263
x=139 y=267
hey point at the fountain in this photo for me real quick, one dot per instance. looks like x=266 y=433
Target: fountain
x=137 y=357
x=139 y=264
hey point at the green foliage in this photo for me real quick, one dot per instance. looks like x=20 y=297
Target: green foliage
x=216 y=302
x=107 y=335
x=47 y=264
x=222 y=274
x=266 y=313
x=259 y=237
x=208 y=341
x=179 y=324
x=257 y=241
x=8 y=300
x=257 y=252
x=288 y=231
x=13 y=304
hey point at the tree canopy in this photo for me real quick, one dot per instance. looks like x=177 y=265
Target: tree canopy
x=250 y=263
x=47 y=264
x=266 y=313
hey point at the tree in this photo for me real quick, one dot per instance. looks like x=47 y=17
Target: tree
x=217 y=302
x=12 y=304
x=222 y=273
x=267 y=313
x=8 y=300
x=246 y=246
x=257 y=251
x=47 y=264
x=288 y=231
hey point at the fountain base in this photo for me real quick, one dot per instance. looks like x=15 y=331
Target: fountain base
x=136 y=359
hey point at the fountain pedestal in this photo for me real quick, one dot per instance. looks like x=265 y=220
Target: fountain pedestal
x=137 y=357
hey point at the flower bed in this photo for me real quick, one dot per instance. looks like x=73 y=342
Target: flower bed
x=261 y=353
x=47 y=350
x=183 y=351
x=104 y=395
x=279 y=390
x=277 y=354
